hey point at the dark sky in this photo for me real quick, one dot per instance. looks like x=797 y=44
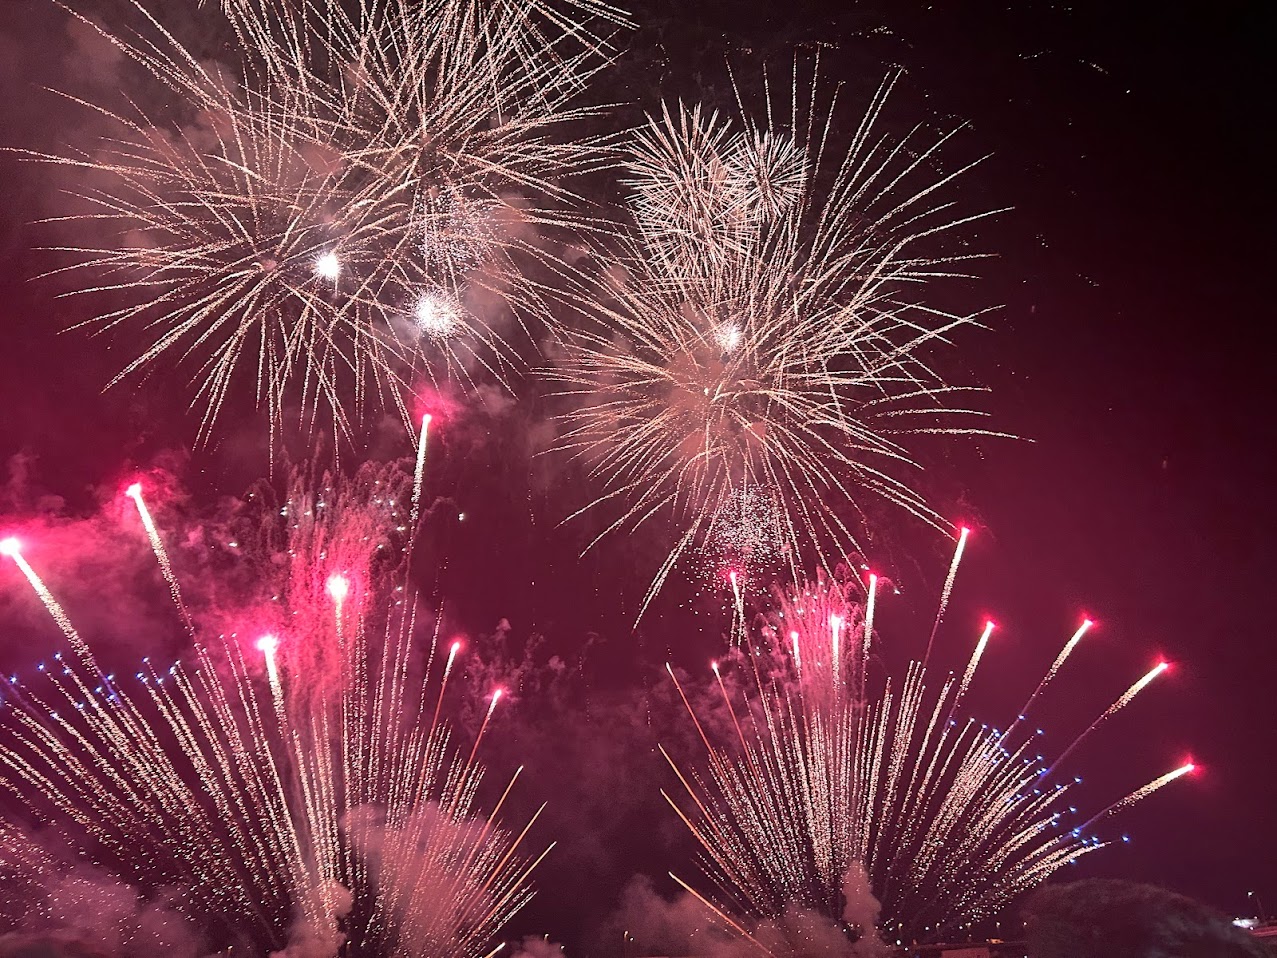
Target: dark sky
x=1133 y=146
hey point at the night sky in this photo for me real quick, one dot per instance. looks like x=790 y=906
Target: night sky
x=1131 y=274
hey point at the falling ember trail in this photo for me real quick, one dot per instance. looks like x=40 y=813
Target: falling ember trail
x=419 y=475
x=134 y=492
x=946 y=591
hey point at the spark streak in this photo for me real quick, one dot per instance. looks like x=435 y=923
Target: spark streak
x=134 y=492
x=419 y=475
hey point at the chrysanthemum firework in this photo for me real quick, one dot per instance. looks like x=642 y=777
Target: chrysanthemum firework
x=279 y=222
x=296 y=780
x=826 y=775
x=770 y=323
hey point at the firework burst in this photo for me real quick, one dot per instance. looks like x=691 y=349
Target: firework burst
x=299 y=782
x=767 y=328
x=345 y=210
x=824 y=773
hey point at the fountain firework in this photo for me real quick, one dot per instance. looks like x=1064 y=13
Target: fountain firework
x=825 y=773
x=299 y=782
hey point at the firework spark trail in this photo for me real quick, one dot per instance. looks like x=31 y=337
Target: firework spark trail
x=134 y=492
x=419 y=475
x=268 y=806
x=283 y=231
x=947 y=590
x=1051 y=673
x=870 y=602
x=822 y=772
x=766 y=332
x=1123 y=700
x=1140 y=793
x=13 y=549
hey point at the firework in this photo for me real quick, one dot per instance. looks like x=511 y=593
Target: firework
x=343 y=212
x=824 y=773
x=766 y=329
x=134 y=492
x=309 y=803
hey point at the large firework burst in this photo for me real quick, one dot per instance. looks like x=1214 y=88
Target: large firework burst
x=767 y=327
x=824 y=774
x=343 y=209
x=300 y=782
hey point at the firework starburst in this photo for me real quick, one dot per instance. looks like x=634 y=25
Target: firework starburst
x=768 y=325
x=277 y=223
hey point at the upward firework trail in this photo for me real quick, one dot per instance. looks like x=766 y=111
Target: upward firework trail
x=284 y=780
x=770 y=328
x=824 y=772
x=134 y=492
x=344 y=211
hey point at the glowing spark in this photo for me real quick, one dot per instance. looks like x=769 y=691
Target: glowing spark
x=728 y=337
x=13 y=549
x=1139 y=794
x=328 y=267
x=1060 y=659
x=338 y=587
x=436 y=317
x=869 y=614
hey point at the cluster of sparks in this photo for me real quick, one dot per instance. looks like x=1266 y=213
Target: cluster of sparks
x=328 y=801
x=764 y=329
x=316 y=216
x=822 y=772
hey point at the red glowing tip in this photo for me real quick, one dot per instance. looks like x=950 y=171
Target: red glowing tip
x=10 y=546
x=456 y=647
x=134 y=490
x=426 y=419
x=496 y=694
x=1191 y=766
x=268 y=644
x=964 y=531
x=338 y=587
x=989 y=624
